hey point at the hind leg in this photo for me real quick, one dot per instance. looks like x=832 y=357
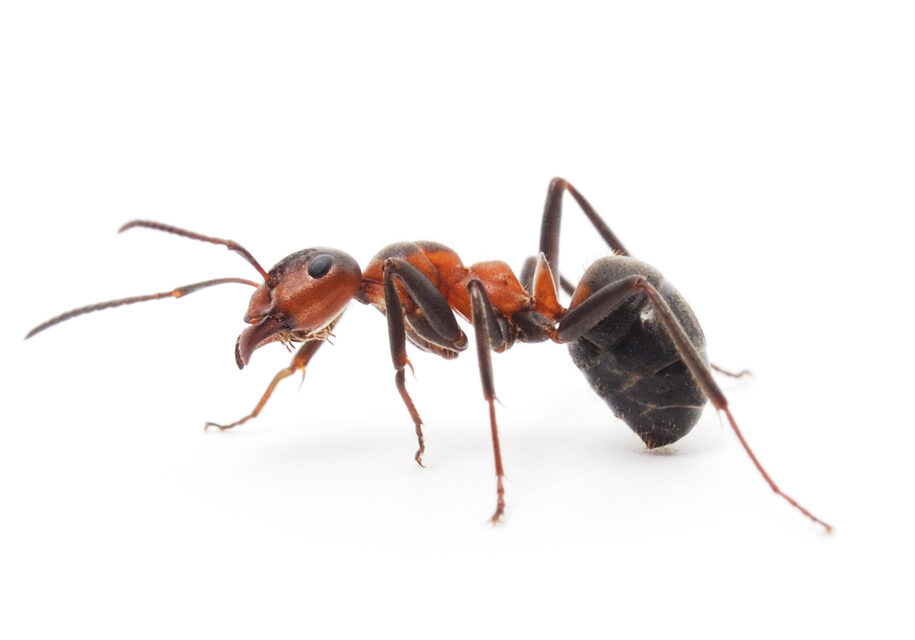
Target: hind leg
x=601 y=303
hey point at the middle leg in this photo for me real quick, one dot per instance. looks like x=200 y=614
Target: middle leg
x=489 y=335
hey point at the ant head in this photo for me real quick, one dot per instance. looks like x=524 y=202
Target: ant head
x=303 y=295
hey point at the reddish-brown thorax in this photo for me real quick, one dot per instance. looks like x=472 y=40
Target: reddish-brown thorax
x=443 y=267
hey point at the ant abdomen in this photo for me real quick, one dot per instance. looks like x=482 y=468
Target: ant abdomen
x=630 y=360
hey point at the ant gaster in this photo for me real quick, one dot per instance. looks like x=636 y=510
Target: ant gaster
x=627 y=328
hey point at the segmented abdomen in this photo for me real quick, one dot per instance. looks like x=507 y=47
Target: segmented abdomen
x=633 y=365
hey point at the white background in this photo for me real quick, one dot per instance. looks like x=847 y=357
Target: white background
x=762 y=158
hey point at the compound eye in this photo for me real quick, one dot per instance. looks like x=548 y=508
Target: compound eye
x=320 y=265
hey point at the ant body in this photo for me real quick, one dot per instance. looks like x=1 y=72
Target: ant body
x=630 y=332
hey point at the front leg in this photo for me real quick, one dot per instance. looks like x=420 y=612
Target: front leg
x=299 y=362
x=440 y=329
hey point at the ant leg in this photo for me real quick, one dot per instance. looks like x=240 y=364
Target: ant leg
x=487 y=330
x=603 y=301
x=566 y=284
x=549 y=233
x=731 y=374
x=432 y=324
x=552 y=215
x=549 y=240
x=439 y=331
x=299 y=362
x=526 y=275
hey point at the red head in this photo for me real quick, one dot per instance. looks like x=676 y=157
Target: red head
x=302 y=296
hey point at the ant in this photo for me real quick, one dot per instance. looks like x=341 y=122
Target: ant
x=627 y=328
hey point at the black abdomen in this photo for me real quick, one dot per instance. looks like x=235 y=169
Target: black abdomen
x=631 y=362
